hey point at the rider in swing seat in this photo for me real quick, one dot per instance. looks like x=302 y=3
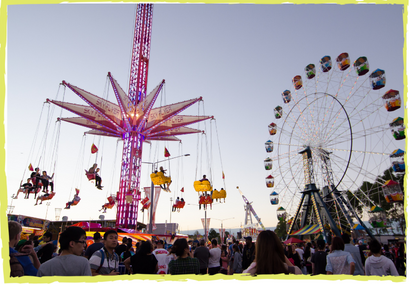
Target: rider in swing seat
x=47 y=180
x=75 y=200
x=94 y=171
x=35 y=177
x=164 y=186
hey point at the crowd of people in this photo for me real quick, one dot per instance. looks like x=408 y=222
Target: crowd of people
x=268 y=255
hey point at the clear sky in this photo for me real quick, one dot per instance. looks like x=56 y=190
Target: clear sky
x=239 y=58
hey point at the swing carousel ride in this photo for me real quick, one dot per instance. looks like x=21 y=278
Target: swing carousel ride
x=337 y=128
x=133 y=119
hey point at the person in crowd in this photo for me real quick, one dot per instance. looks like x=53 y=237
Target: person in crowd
x=401 y=260
x=339 y=261
x=362 y=247
x=69 y=262
x=307 y=258
x=378 y=264
x=300 y=250
x=161 y=255
x=97 y=245
x=143 y=261
x=214 y=258
x=270 y=257
x=46 y=252
x=123 y=247
x=237 y=259
x=319 y=259
x=224 y=260
x=128 y=252
x=20 y=263
x=202 y=254
x=47 y=181
x=249 y=252
x=388 y=254
x=105 y=261
x=294 y=256
x=356 y=254
x=184 y=264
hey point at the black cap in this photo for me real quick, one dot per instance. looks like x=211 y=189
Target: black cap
x=159 y=242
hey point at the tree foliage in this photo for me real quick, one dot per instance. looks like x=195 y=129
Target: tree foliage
x=281 y=229
x=394 y=212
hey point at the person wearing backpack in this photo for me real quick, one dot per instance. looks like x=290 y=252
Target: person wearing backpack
x=105 y=261
x=20 y=263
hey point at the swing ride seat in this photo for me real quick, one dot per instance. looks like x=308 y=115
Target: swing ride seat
x=75 y=202
x=49 y=197
x=219 y=194
x=179 y=204
x=206 y=200
x=89 y=175
x=109 y=205
x=159 y=178
x=202 y=185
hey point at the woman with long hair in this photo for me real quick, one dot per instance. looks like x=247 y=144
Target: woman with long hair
x=294 y=255
x=307 y=258
x=184 y=264
x=143 y=261
x=270 y=257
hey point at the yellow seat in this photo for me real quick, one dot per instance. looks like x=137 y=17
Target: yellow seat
x=216 y=194
x=202 y=185
x=159 y=178
x=222 y=193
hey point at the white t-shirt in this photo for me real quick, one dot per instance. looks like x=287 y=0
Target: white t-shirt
x=300 y=252
x=163 y=261
x=214 y=258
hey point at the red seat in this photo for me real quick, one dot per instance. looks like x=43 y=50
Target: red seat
x=90 y=176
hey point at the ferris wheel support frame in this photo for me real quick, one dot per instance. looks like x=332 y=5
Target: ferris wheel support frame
x=311 y=195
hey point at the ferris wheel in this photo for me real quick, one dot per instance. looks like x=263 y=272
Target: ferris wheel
x=346 y=121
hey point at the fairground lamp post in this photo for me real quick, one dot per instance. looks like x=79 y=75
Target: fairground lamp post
x=153 y=188
x=221 y=226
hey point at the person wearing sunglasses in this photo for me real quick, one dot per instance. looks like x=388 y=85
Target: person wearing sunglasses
x=69 y=262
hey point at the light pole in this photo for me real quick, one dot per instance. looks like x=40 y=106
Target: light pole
x=170 y=214
x=153 y=187
x=221 y=225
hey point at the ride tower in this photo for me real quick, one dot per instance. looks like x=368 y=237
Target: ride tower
x=133 y=119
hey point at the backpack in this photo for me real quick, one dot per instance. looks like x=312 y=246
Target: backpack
x=102 y=260
x=16 y=269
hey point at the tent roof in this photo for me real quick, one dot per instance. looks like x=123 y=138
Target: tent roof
x=307 y=230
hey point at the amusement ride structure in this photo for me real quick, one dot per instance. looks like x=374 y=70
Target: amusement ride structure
x=133 y=119
x=333 y=136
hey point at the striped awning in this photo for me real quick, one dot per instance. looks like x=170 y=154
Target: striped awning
x=307 y=230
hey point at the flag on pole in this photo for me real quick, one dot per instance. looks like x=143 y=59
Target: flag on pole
x=94 y=149
x=167 y=154
x=30 y=167
x=222 y=175
x=183 y=189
